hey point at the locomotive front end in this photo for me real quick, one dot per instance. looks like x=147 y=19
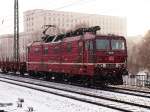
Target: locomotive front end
x=111 y=59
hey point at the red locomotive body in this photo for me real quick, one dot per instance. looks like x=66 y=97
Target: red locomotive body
x=76 y=56
x=83 y=56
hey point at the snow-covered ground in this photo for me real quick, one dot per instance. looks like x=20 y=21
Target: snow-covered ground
x=76 y=105
x=113 y=95
x=42 y=102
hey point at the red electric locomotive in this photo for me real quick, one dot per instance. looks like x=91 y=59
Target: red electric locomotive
x=79 y=55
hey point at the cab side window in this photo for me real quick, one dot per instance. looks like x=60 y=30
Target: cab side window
x=89 y=45
x=45 y=50
x=69 y=47
x=36 y=50
x=80 y=46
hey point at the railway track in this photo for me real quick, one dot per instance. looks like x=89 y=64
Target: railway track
x=129 y=92
x=134 y=92
x=78 y=95
x=137 y=90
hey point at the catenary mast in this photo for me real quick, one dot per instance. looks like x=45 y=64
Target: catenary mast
x=16 y=31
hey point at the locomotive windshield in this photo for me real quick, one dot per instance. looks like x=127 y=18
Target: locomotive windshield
x=117 y=45
x=102 y=44
x=114 y=44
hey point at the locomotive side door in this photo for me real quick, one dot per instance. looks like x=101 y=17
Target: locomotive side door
x=44 y=58
x=89 y=51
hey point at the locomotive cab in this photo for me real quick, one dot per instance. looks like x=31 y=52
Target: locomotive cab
x=110 y=58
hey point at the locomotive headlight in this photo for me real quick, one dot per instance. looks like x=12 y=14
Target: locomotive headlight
x=100 y=65
x=120 y=65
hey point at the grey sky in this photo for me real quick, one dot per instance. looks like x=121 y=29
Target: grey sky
x=136 y=11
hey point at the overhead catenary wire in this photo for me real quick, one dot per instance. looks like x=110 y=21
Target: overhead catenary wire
x=77 y=18
x=67 y=5
x=55 y=9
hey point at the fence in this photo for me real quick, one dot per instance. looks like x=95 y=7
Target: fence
x=137 y=80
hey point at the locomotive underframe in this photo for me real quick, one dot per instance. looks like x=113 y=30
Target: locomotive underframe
x=14 y=67
x=110 y=76
x=102 y=76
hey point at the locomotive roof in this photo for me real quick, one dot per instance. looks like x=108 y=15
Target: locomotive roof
x=85 y=33
x=111 y=36
x=35 y=43
x=87 y=36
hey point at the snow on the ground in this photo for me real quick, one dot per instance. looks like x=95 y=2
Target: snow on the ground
x=114 y=95
x=42 y=102
x=118 y=96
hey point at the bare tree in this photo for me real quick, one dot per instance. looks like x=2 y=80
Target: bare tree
x=144 y=52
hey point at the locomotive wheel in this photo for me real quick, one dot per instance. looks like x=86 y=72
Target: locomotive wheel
x=65 y=78
x=31 y=73
x=120 y=80
x=86 y=81
x=99 y=81
x=48 y=76
x=58 y=77
x=3 y=70
x=21 y=73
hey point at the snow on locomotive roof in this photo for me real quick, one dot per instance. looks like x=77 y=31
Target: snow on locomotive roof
x=35 y=43
x=111 y=36
x=72 y=38
x=87 y=35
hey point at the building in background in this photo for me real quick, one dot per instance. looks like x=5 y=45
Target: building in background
x=35 y=19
